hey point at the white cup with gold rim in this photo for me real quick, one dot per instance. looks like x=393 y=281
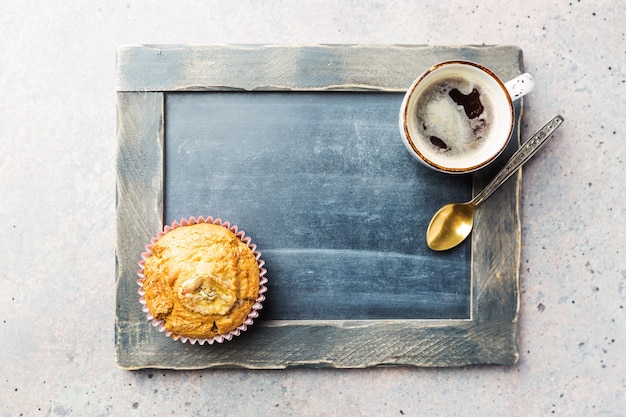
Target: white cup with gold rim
x=458 y=116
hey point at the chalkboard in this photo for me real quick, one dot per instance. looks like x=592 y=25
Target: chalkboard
x=331 y=196
x=304 y=154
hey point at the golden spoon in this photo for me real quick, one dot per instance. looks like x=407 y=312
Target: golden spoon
x=453 y=222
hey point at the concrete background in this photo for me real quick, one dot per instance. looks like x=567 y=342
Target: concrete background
x=57 y=211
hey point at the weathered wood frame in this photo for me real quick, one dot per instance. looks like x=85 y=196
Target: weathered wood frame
x=147 y=73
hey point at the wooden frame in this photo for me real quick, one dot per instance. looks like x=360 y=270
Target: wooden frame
x=147 y=73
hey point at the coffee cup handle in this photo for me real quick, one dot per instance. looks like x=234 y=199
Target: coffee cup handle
x=520 y=86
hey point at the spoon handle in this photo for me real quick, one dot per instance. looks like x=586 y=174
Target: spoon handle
x=523 y=154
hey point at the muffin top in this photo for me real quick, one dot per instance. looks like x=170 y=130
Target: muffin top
x=201 y=280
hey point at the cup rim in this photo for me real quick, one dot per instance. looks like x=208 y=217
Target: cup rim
x=404 y=118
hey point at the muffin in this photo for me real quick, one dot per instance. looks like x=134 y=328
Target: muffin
x=201 y=280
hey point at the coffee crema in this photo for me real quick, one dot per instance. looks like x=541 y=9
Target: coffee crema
x=453 y=116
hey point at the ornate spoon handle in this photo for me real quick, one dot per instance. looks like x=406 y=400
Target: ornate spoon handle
x=523 y=154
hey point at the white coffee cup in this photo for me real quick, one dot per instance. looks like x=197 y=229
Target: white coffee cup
x=458 y=116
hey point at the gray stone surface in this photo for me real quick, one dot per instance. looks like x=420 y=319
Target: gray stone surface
x=57 y=211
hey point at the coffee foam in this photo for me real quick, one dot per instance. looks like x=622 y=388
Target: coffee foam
x=437 y=115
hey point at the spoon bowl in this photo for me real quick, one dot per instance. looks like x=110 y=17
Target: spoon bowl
x=450 y=225
x=453 y=222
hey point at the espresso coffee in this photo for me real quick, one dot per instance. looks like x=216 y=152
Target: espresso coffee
x=453 y=116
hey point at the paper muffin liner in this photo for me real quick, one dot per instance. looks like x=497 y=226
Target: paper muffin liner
x=258 y=305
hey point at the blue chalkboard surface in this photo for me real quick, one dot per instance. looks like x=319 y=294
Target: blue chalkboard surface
x=325 y=187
